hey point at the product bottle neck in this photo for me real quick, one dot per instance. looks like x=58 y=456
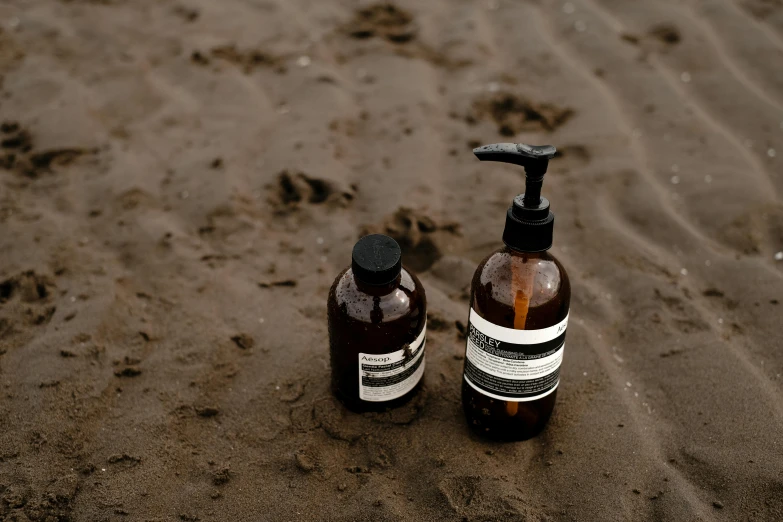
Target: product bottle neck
x=378 y=290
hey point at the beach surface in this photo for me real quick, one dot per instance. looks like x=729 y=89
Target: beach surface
x=180 y=182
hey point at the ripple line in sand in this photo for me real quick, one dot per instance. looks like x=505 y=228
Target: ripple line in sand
x=688 y=489
x=668 y=210
x=754 y=162
x=704 y=314
x=711 y=122
x=763 y=28
x=714 y=38
x=637 y=151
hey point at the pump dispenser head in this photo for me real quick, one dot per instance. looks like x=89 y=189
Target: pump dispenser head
x=529 y=223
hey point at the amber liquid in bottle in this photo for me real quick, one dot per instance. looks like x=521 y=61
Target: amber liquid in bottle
x=523 y=291
x=372 y=319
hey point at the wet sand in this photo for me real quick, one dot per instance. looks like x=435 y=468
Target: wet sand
x=180 y=183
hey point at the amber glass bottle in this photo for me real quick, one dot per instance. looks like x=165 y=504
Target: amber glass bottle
x=377 y=313
x=518 y=313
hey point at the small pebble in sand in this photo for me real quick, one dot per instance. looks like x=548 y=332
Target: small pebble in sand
x=13 y=22
x=685 y=77
x=628 y=384
x=675 y=168
x=283 y=109
x=771 y=153
x=320 y=240
x=779 y=256
x=720 y=320
x=304 y=461
x=717 y=504
x=568 y=8
x=184 y=194
x=243 y=341
x=323 y=259
x=303 y=61
x=580 y=26
x=707 y=179
x=584 y=373
x=261 y=320
x=684 y=271
x=675 y=180
x=708 y=262
x=493 y=86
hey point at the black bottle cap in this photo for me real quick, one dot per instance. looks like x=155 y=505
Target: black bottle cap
x=529 y=223
x=377 y=260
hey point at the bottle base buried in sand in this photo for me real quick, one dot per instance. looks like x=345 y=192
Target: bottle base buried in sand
x=504 y=420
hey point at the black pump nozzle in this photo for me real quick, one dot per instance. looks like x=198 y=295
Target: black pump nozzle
x=535 y=160
x=529 y=223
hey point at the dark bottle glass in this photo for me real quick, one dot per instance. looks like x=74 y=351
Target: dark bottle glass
x=377 y=314
x=523 y=291
x=518 y=312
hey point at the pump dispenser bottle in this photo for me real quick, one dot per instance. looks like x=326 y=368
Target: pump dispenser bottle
x=518 y=312
x=377 y=315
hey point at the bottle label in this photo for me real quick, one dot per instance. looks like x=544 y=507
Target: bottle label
x=513 y=365
x=383 y=377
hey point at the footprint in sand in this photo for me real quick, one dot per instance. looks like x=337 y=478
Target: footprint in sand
x=514 y=114
x=24 y=299
x=248 y=59
x=383 y=20
x=294 y=190
x=17 y=152
x=389 y=22
x=420 y=237
x=474 y=497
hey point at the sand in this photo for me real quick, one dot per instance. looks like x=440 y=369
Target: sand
x=181 y=181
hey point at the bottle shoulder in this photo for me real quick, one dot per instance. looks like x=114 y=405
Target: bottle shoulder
x=407 y=299
x=521 y=290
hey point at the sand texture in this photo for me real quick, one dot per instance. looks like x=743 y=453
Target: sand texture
x=181 y=181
